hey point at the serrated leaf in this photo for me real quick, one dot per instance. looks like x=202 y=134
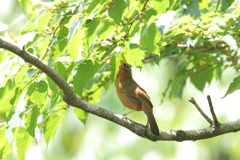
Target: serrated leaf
x=225 y=4
x=37 y=92
x=85 y=72
x=24 y=4
x=31 y=120
x=160 y=5
x=133 y=55
x=81 y=115
x=53 y=122
x=5 y=146
x=23 y=141
x=150 y=36
x=235 y=85
x=116 y=10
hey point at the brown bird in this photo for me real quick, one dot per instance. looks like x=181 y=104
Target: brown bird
x=133 y=96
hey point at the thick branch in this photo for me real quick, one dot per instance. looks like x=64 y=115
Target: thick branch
x=70 y=98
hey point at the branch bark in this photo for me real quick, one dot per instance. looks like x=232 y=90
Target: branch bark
x=70 y=98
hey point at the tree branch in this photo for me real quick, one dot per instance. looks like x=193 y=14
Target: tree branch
x=192 y=100
x=215 y=120
x=70 y=98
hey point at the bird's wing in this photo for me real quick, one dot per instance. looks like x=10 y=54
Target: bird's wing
x=143 y=96
x=132 y=97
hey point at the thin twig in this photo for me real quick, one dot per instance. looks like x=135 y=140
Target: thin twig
x=216 y=122
x=192 y=100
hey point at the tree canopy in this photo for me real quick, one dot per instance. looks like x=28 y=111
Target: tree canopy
x=70 y=51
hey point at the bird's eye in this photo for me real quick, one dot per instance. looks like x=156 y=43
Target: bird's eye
x=127 y=67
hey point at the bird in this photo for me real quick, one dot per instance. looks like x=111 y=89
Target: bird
x=133 y=96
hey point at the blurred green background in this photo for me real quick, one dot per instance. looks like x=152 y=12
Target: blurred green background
x=100 y=139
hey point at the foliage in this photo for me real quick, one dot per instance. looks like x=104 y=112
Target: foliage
x=84 y=41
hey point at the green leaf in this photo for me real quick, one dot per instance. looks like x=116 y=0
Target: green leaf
x=35 y=40
x=60 y=68
x=114 y=68
x=59 y=48
x=81 y=115
x=225 y=4
x=73 y=28
x=177 y=86
x=200 y=79
x=85 y=72
x=106 y=29
x=20 y=76
x=193 y=8
x=75 y=43
x=53 y=122
x=62 y=45
x=150 y=36
x=6 y=94
x=44 y=20
x=63 y=32
x=133 y=55
x=92 y=30
x=103 y=54
x=94 y=4
x=95 y=97
x=160 y=5
x=37 y=92
x=23 y=141
x=52 y=85
x=31 y=120
x=179 y=82
x=41 y=48
x=116 y=10
x=17 y=95
x=25 y=4
x=235 y=85
x=5 y=147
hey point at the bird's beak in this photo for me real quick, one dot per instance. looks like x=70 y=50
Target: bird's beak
x=123 y=63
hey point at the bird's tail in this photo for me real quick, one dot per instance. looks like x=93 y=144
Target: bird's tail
x=151 y=120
